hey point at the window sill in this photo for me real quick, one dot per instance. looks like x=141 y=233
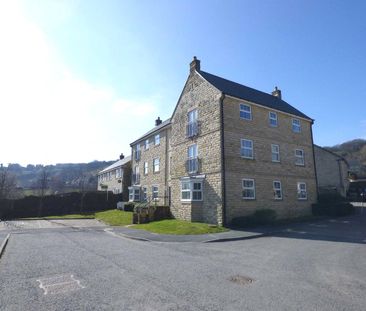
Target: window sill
x=247 y=158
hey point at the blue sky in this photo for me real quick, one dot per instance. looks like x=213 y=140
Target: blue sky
x=82 y=79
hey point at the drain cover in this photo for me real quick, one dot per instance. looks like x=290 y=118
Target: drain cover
x=241 y=279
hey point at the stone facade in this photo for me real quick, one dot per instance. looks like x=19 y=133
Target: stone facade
x=151 y=178
x=214 y=192
x=332 y=171
x=261 y=168
x=116 y=177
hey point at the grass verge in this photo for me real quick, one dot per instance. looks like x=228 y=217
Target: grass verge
x=115 y=217
x=179 y=227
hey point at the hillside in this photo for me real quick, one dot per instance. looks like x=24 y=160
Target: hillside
x=61 y=177
x=354 y=151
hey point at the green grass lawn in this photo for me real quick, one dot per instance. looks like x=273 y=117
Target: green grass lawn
x=180 y=227
x=115 y=217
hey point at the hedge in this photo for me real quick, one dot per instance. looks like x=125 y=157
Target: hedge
x=60 y=204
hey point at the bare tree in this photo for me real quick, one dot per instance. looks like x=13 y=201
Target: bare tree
x=8 y=189
x=43 y=181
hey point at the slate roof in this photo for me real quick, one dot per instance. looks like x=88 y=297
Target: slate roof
x=153 y=130
x=243 y=92
x=116 y=164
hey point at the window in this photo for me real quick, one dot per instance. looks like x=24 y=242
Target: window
x=157 y=139
x=134 y=193
x=118 y=173
x=156 y=165
x=246 y=150
x=245 y=112
x=248 y=189
x=155 y=193
x=191 y=190
x=146 y=144
x=146 y=168
x=301 y=191
x=275 y=153
x=192 y=126
x=296 y=126
x=299 y=157
x=277 y=190
x=144 y=194
x=273 y=119
x=136 y=175
x=137 y=152
x=192 y=162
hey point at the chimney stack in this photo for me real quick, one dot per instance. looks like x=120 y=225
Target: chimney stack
x=157 y=121
x=276 y=92
x=121 y=157
x=195 y=64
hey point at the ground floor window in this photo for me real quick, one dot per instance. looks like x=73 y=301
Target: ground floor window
x=248 y=189
x=134 y=194
x=277 y=190
x=144 y=194
x=301 y=191
x=191 y=189
x=155 y=192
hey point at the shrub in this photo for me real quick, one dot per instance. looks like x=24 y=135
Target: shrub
x=333 y=209
x=129 y=206
x=259 y=217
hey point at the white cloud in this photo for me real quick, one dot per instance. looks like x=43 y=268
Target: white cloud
x=50 y=115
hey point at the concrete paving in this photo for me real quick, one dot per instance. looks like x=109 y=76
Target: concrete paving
x=314 y=266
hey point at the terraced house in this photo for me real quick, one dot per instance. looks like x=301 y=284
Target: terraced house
x=226 y=151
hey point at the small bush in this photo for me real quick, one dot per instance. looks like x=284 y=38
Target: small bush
x=129 y=206
x=259 y=217
x=333 y=209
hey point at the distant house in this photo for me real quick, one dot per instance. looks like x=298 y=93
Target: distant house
x=116 y=177
x=227 y=151
x=331 y=171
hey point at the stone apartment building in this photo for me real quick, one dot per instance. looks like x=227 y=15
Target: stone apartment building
x=116 y=177
x=332 y=171
x=226 y=151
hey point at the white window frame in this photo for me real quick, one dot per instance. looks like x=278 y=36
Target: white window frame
x=275 y=153
x=156 y=163
x=275 y=189
x=296 y=125
x=143 y=194
x=299 y=160
x=248 y=188
x=300 y=191
x=155 y=191
x=191 y=182
x=134 y=194
x=243 y=148
x=247 y=115
x=273 y=119
x=147 y=144
x=146 y=168
x=192 y=123
x=193 y=156
x=157 y=139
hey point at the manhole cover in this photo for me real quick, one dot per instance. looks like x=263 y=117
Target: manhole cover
x=241 y=279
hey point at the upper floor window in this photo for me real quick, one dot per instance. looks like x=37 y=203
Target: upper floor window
x=273 y=119
x=296 y=126
x=157 y=139
x=192 y=126
x=277 y=190
x=192 y=162
x=136 y=175
x=246 y=150
x=146 y=168
x=155 y=192
x=118 y=172
x=156 y=165
x=248 y=189
x=137 y=152
x=275 y=153
x=301 y=191
x=245 y=112
x=299 y=157
x=146 y=144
